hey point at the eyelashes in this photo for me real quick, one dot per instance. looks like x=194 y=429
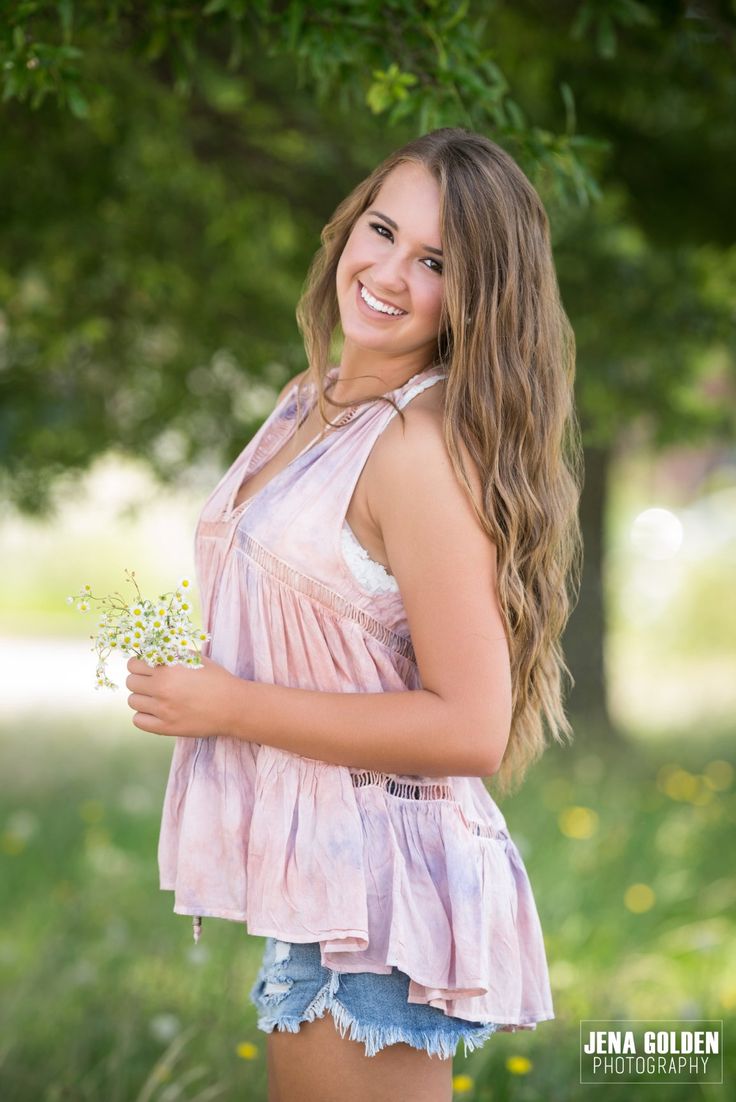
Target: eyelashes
x=379 y=226
x=384 y=231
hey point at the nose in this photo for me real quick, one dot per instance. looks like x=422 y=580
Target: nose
x=389 y=274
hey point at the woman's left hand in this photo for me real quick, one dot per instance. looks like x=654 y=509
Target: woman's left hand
x=180 y=701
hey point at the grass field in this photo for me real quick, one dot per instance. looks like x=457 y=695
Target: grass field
x=108 y=999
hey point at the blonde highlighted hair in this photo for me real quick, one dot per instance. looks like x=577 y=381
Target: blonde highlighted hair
x=509 y=352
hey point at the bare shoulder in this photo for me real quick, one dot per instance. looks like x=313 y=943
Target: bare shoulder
x=416 y=449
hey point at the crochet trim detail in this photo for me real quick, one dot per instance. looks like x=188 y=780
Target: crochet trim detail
x=423 y=790
x=281 y=570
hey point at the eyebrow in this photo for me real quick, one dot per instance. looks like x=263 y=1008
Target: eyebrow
x=393 y=226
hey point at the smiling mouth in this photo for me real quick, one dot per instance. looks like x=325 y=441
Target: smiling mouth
x=377 y=305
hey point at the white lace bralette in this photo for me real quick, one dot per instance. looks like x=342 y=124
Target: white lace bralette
x=372 y=575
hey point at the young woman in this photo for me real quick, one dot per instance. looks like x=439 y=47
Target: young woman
x=404 y=520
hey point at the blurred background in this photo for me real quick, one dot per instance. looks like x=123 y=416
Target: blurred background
x=165 y=172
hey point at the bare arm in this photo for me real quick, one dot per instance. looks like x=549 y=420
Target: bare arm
x=446 y=568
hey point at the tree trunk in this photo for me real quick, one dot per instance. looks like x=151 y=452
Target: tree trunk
x=584 y=637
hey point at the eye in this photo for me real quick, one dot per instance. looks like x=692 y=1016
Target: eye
x=384 y=231
x=378 y=226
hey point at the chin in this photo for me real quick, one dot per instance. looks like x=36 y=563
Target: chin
x=372 y=343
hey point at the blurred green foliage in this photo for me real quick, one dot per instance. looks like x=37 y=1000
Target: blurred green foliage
x=361 y=52
x=107 y=997
x=167 y=169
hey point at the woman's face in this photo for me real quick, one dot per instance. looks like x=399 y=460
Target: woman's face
x=389 y=276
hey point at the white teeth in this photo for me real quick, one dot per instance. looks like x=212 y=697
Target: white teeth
x=376 y=303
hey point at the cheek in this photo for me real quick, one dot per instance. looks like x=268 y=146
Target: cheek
x=432 y=302
x=347 y=266
x=340 y=270
x=361 y=250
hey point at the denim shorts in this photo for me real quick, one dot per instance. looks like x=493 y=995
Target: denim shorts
x=292 y=987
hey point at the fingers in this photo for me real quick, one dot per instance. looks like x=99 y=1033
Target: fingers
x=137 y=665
x=141 y=703
x=136 y=683
x=145 y=722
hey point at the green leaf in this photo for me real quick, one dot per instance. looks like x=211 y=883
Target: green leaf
x=581 y=22
x=236 y=48
x=378 y=97
x=156 y=44
x=606 y=37
x=569 y=101
x=11 y=86
x=515 y=114
x=457 y=17
x=295 y=17
x=38 y=97
x=77 y=102
x=401 y=110
x=66 y=14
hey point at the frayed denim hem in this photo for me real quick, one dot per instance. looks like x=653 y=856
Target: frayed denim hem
x=375 y=1037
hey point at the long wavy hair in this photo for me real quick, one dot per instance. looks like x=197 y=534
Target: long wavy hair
x=509 y=352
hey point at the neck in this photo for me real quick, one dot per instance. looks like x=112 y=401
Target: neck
x=363 y=373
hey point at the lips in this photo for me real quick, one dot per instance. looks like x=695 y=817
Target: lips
x=370 y=312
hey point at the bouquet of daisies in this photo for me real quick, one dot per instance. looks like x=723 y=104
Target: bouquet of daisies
x=159 y=631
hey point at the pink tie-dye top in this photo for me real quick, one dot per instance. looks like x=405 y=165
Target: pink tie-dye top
x=380 y=869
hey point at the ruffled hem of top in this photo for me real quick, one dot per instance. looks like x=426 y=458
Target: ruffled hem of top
x=381 y=871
